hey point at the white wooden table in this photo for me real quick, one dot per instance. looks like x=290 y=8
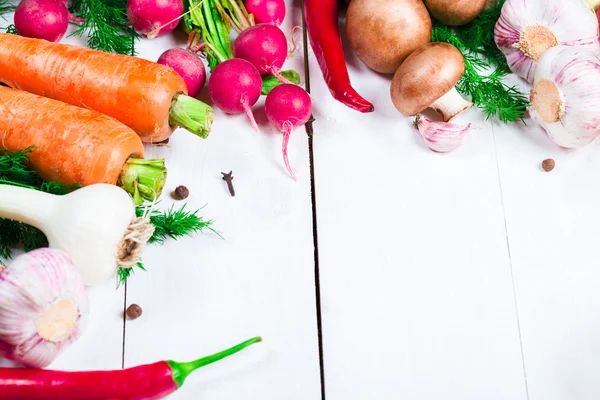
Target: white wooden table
x=465 y=276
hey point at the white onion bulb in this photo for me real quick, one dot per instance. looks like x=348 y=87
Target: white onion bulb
x=566 y=96
x=528 y=28
x=43 y=307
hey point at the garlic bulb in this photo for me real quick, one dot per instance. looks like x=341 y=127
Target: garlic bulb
x=526 y=29
x=565 y=99
x=43 y=307
x=441 y=137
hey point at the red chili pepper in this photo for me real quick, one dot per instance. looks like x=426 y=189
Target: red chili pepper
x=324 y=33
x=145 y=382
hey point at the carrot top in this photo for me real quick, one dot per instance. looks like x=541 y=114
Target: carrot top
x=191 y=114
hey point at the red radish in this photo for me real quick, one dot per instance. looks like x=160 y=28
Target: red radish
x=266 y=11
x=42 y=19
x=154 y=18
x=188 y=65
x=265 y=46
x=288 y=107
x=234 y=86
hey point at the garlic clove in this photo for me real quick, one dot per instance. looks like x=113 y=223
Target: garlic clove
x=43 y=307
x=441 y=137
x=565 y=98
x=527 y=29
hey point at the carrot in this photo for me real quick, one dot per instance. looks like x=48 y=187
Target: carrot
x=76 y=146
x=148 y=97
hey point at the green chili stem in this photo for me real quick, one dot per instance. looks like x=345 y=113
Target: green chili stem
x=181 y=370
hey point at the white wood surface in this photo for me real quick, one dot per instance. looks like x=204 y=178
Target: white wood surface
x=418 y=300
x=470 y=275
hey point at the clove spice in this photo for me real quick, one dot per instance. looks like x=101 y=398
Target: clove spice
x=229 y=179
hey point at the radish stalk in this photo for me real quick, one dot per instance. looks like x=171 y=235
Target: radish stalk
x=95 y=225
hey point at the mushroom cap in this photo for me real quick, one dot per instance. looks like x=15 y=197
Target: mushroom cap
x=426 y=75
x=383 y=33
x=455 y=12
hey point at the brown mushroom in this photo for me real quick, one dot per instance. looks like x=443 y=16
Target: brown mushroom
x=427 y=78
x=383 y=33
x=455 y=12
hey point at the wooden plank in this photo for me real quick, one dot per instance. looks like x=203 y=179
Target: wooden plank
x=203 y=294
x=552 y=222
x=417 y=294
x=101 y=345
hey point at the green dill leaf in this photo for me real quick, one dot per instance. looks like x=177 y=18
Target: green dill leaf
x=6 y=7
x=125 y=273
x=174 y=223
x=106 y=25
x=486 y=89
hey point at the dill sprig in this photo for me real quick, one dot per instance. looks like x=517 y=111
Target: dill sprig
x=487 y=90
x=125 y=273
x=5 y=7
x=172 y=223
x=106 y=25
x=175 y=224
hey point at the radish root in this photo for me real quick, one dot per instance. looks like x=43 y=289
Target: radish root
x=293 y=46
x=250 y=115
x=275 y=72
x=156 y=28
x=287 y=131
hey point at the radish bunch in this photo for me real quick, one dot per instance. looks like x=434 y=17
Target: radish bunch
x=235 y=85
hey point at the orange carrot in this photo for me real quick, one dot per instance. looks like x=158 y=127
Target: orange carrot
x=75 y=146
x=148 y=97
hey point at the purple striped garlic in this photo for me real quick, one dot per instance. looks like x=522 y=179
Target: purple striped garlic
x=43 y=307
x=526 y=29
x=441 y=137
x=565 y=99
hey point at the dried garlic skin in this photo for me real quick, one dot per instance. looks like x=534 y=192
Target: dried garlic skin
x=43 y=307
x=527 y=29
x=565 y=98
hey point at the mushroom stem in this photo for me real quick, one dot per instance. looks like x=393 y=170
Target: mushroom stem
x=450 y=105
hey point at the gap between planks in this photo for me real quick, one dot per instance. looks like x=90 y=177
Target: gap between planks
x=512 y=275
x=309 y=133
